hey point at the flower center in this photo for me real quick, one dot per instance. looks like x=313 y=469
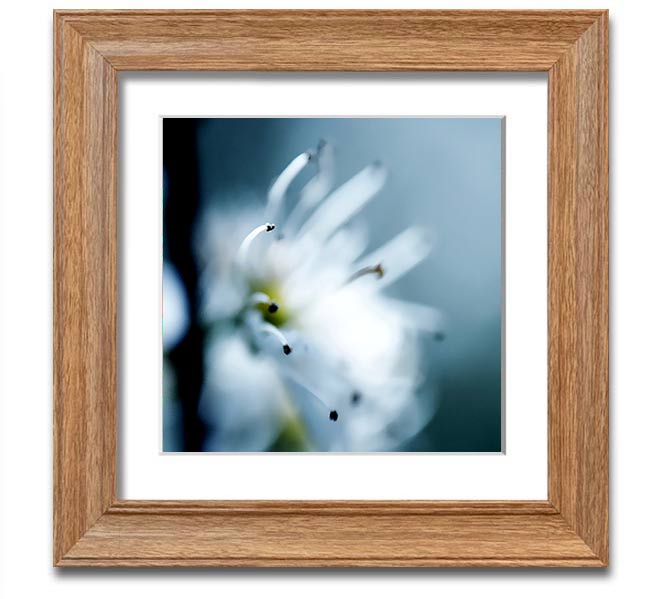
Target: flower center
x=267 y=299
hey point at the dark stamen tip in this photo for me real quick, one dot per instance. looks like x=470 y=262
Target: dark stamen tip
x=333 y=415
x=270 y=227
x=315 y=154
x=287 y=349
x=379 y=271
x=272 y=308
x=356 y=397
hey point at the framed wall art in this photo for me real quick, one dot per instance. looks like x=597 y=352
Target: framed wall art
x=333 y=302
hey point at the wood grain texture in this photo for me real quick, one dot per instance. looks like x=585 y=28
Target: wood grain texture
x=85 y=287
x=331 y=535
x=332 y=40
x=93 y=528
x=578 y=286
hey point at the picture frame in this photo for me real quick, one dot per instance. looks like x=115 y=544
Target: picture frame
x=92 y=527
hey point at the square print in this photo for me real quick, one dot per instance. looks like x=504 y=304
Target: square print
x=332 y=284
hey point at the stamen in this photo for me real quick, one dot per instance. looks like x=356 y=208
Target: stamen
x=259 y=298
x=377 y=269
x=401 y=254
x=313 y=391
x=262 y=299
x=248 y=240
x=270 y=329
x=280 y=186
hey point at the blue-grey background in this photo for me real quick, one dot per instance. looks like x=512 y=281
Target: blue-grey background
x=444 y=173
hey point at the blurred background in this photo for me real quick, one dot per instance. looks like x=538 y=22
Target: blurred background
x=443 y=173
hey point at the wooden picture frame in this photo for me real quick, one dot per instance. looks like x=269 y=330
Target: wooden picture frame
x=92 y=527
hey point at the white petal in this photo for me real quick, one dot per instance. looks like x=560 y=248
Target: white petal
x=222 y=294
x=278 y=190
x=343 y=204
x=417 y=316
x=175 y=317
x=356 y=328
x=399 y=255
x=323 y=270
x=242 y=399
x=315 y=190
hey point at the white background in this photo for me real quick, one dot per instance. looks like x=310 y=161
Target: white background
x=519 y=473
x=25 y=345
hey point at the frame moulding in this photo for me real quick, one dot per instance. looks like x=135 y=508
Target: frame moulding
x=92 y=527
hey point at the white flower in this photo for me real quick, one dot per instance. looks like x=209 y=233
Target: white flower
x=175 y=319
x=305 y=349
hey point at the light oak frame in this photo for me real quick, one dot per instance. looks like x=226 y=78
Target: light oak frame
x=92 y=527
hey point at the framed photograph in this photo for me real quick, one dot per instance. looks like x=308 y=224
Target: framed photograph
x=310 y=316
x=302 y=308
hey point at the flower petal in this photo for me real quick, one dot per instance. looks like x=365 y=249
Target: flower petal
x=175 y=317
x=278 y=190
x=343 y=204
x=315 y=190
x=400 y=255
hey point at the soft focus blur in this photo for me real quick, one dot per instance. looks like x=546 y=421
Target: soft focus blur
x=444 y=174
